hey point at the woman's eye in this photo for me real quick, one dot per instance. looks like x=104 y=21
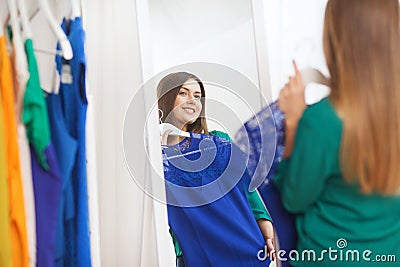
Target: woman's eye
x=182 y=93
x=197 y=96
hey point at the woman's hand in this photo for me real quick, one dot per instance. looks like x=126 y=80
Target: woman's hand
x=291 y=101
x=267 y=230
x=291 y=98
x=164 y=137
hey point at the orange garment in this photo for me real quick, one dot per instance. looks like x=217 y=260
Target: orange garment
x=19 y=242
x=5 y=240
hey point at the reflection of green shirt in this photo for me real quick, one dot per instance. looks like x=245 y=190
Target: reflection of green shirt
x=256 y=204
x=331 y=212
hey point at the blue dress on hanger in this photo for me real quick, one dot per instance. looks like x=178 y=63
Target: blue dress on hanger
x=206 y=183
x=72 y=103
x=262 y=138
x=65 y=148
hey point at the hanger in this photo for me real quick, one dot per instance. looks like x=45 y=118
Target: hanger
x=27 y=31
x=311 y=75
x=1 y=25
x=168 y=126
x=58 y=31
x=175 y=130
x=17 y=40
x=202 y=148
x=75 y=9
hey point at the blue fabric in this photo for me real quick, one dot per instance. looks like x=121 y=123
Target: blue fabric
x=65 y=147
x=74 y=105
x=262 y=138
x=47 y=190
x=222 y=232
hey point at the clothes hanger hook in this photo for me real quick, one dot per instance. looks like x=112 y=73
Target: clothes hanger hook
x=161 y=115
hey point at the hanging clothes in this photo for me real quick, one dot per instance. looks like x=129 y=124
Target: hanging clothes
x=262 y=138
x=71 y=106
x=211 y=217
x=27 y=180
x=21 y=77
x=19 y=241
x=5 y=237
x=45 y=173
x=66 y=147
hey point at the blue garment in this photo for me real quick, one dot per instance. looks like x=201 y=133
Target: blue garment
x=47 y=190
x=65 y=147
x=207 y=205
x=262 y=138
x=74 y=105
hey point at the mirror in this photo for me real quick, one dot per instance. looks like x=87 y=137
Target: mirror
x=223 y=43
x=215 y=41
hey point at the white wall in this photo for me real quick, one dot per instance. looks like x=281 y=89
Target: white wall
x=294 y=29
x=209 y=31
x=114 y=75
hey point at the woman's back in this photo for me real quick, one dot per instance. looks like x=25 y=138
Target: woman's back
x=334 y=215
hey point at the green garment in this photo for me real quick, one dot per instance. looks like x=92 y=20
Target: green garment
x=331 y=213
x=256 y=204
x=35 y=116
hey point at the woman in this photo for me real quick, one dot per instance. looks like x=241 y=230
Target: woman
x=182 y=103
x=340 y=174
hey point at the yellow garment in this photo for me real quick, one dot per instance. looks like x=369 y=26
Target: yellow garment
x=5 y=240
x=19 y=242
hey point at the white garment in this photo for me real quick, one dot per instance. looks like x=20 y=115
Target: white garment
x=27 y=182
x=21 y=67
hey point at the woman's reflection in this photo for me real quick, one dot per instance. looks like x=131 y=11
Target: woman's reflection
x=181 y=100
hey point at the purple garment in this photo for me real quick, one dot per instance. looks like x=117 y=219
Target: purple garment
x=47 y=189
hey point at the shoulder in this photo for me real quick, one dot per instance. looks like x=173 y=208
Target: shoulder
x=322 y=119
x=220 y=134
x=321 y=113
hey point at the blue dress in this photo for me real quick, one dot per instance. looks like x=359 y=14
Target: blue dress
x=73 y=103
x=65 y=148
x=206 y=183
x=262 y=138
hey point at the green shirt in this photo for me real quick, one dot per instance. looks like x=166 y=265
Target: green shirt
x=35 y=116
x=329 y=210
x=256 y=204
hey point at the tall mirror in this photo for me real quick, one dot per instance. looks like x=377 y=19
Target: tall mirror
x=224 y=44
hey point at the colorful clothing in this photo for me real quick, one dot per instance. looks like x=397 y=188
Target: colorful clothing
x=45 y=173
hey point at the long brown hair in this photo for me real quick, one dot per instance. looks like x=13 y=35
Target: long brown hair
x=168 y=89
x=362 y=49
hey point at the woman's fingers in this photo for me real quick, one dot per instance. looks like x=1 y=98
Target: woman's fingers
x=164 y=137
x=271 y=248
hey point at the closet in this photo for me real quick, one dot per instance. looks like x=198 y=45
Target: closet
x=49 y=184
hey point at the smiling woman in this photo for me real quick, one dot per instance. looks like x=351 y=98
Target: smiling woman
x=181 y=98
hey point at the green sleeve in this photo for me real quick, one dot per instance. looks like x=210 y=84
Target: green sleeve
x=220 y=134
x=178 y=250
x=302 y=176
x=257 y=206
